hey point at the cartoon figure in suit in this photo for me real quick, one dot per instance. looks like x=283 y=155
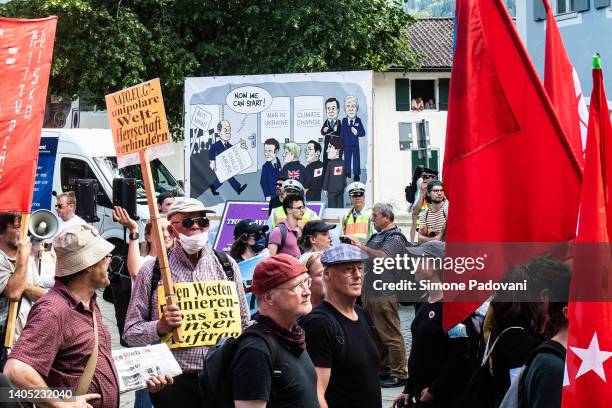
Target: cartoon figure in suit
x=292 y=168
x=334 y=181
x=332 y=125
x=315 y=171
x=224 y=132
x=350 y=132
x=271 y=169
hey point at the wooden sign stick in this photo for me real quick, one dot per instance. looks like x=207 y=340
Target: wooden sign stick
x=9 y=337
x=162 y=254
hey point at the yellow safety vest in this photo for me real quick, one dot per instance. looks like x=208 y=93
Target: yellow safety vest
x=360 y=228
x=278 y=215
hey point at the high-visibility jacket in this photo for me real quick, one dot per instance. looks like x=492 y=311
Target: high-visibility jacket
x=278 y=214
x=360 y=227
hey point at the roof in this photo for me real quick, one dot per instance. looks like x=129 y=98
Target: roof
x=432 y=39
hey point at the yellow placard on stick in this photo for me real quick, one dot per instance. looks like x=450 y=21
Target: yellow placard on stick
x=210 y=310
x=137 y=118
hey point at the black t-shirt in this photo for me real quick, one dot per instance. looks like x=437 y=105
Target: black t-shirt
x=252 y=376
x=436 y=361
x=354 y=364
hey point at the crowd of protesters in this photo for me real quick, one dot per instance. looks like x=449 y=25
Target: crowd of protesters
x=318 y=337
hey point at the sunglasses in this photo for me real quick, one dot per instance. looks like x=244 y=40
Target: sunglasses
x=202 y=222
x=59 y=206
x=357 y=195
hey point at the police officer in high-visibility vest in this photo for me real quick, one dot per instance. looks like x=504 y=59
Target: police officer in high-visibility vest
x=357 y=222
x=291 y=187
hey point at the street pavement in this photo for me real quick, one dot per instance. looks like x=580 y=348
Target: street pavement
x=127 y=399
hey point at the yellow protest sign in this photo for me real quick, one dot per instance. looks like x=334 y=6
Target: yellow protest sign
x=137 y=117
x=211 y=310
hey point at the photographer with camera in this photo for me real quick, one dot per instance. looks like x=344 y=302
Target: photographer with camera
x=433 y=219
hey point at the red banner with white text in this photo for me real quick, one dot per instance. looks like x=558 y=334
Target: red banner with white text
x=26 y=50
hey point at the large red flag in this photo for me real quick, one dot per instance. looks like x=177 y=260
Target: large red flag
x=588 y=381
x=563 y=87
x=26 y=48
x=509 y=172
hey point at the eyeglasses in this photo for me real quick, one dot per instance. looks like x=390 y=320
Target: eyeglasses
x=59 y=206
x=300 y=287
x=202 y=222
x=302 y=208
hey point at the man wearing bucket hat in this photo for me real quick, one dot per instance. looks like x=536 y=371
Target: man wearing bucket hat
x=281 y=285
x=192 y=260
x=278 y=214
x=65 y=342
x=339 y=335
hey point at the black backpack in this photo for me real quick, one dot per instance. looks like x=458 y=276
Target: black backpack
x=121 y=288
x=283 y=231
x=215 y=379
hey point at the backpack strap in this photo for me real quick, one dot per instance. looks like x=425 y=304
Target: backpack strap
x=283 y=232
x=549 y=346
x=489 y=351
x=272 y=343
x=226 y=264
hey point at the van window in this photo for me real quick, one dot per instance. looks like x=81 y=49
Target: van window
x=72 y=169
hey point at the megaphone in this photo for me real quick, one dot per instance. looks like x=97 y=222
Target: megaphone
x=43 y=224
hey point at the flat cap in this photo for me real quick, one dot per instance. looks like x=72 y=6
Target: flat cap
x=433 y=248
x=343 y=253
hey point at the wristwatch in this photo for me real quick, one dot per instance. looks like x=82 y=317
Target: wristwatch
x=134 y=236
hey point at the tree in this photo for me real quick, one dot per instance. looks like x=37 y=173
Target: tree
x=102 y=46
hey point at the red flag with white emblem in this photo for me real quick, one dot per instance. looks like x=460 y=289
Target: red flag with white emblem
x=588 y=379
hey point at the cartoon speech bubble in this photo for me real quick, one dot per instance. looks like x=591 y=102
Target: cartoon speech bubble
x=248 y=99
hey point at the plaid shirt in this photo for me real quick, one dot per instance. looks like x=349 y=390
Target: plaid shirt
x=141 y=322
x=58 y=340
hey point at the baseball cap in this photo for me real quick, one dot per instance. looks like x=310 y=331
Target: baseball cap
x=429 y=172
x=275 y=270
x=187 y=205
x=292 y=186
x=343 y=253
x=356 y=188
x=312 y=227
x=78 y=247
x=248 y=226
x=433 y=248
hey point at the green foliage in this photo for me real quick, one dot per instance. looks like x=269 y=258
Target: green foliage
x=102 y=46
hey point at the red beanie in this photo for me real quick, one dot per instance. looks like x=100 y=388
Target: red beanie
x=275 y=270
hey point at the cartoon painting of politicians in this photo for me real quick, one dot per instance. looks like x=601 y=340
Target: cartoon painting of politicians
x=314 y=169
x=224 y=133
x=292 y=168
x=271 y=169
x=334 y=181
x=350 y=131
x=331 y=126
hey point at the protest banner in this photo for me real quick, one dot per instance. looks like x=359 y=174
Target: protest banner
x=134 y=365
x=138 y=122
x=211 y=310
x=232 y=161
x=24 y=75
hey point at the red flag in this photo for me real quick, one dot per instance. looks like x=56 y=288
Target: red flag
x=563 y=87
x=26 y=48
x=509 y=172
x=588 y=381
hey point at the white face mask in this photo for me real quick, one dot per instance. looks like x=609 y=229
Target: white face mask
x=193 y=244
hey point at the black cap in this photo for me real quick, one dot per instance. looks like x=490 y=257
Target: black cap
x=312 y=227
x=427 y=170
x=248 y=226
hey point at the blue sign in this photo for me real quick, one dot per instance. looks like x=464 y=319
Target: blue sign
x=247 y=268
x=43 y=183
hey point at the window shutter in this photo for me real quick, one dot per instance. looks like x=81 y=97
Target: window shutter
x=602 y=3
x=443 y=84
x=402 y=94
x=539 y=12
x=581 y=5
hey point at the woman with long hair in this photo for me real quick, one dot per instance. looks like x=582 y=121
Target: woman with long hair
x=249 y=240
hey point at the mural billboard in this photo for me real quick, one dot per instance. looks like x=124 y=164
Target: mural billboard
x=242 y=132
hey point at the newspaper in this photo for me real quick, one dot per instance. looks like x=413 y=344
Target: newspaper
x=135 y=365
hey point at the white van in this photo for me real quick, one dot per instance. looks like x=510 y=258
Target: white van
x=90 y=154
